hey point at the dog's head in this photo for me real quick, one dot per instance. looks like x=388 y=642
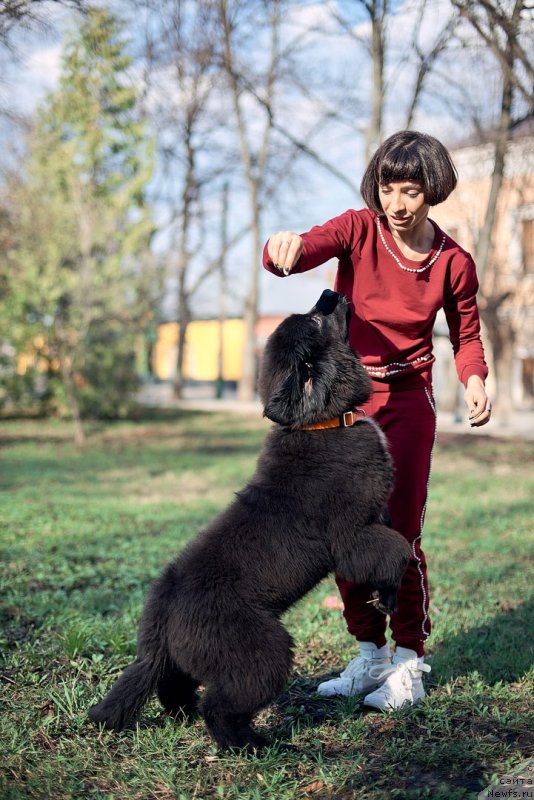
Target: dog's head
x=309 y=372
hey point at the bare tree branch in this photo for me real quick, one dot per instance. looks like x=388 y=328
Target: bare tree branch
x=428 y=59
x=298 y=143
x=489 y=36
x=28 y=15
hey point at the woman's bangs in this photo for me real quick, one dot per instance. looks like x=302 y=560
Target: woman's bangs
x=400 y=166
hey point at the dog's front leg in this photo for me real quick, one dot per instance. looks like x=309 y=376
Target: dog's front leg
x=376 y=555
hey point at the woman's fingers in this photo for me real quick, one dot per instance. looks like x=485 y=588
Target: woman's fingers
x=294 y=251
x=284 y=250
x=477 y=401
x=480 y=417
x=479 y=406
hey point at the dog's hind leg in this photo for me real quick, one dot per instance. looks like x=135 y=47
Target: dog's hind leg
x=177 y=691
x=258 y=662
x=230 y=729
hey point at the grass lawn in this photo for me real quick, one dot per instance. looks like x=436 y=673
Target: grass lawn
x=84 y=533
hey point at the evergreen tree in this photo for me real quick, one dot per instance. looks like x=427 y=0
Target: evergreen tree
x=78 y=283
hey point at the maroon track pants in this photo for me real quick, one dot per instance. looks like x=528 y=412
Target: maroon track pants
x=408 y=419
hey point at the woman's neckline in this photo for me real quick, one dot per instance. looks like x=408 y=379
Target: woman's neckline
x=393 y=243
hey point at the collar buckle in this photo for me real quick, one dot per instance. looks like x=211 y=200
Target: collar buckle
x=348 y=419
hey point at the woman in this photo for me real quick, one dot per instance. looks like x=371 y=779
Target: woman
x=398 y=269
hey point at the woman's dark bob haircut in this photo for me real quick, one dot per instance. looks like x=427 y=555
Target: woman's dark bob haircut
x=410 y=156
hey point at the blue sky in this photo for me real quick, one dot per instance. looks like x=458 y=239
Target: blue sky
x=311 y=195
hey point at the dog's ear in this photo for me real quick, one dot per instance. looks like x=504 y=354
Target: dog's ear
x=278 y=405
x=306 y=378
x=285 y=405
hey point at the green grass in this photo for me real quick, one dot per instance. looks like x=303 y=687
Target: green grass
x=84 y=533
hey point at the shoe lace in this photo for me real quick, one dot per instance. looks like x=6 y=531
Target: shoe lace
x=358 y=667
x=400 y=672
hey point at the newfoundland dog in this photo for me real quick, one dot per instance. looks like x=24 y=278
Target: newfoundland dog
x=314 y=505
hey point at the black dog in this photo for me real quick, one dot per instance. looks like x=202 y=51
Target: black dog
x=313 y=506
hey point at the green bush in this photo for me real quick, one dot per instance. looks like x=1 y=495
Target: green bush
x=108 y=376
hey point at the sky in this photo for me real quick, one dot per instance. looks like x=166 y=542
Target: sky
x=311 y=195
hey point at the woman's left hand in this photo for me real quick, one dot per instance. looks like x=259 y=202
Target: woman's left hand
x=477 y=401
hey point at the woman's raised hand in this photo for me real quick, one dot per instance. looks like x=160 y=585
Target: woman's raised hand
x=284 y=250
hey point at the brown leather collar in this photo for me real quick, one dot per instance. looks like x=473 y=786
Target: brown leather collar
x=346 y=420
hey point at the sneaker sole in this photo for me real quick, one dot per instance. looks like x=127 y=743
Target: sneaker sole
x=388 y=708
x=350 y=694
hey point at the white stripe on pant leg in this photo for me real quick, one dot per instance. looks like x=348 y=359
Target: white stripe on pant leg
x=426 y=634
x=432 y=406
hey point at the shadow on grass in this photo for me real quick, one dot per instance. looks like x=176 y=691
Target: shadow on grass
x=123 y=445
x=487 y=449
x=499 y=650
x=71 y=471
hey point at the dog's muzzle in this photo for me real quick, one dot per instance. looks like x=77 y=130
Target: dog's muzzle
x=328 y=302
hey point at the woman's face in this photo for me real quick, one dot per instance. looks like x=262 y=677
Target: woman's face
x=404 y=204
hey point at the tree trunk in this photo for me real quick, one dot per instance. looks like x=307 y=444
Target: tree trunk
x=254 y=160
x=373 y=134
x=484 y=243
x=184 y=319
x=68 y=383
x=502 y=339
x=247 y=384
x=219 y=387
x=183 y=258
x=492 y=297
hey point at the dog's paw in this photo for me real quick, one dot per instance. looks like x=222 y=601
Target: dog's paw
x=256 y=743
x=251 y=743
x=384 y=600
x=101 y=715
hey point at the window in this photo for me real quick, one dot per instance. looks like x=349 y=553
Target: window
x=527 y=246
x=527 y=377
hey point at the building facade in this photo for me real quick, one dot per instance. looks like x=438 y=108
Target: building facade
x=510 y=269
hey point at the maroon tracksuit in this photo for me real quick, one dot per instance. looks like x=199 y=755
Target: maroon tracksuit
x=394 y=311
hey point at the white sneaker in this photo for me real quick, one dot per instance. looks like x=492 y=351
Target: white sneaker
x=401 y=683
x=359 y=676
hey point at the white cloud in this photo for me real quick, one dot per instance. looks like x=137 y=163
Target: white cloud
x=25 y=86
x=43 y=66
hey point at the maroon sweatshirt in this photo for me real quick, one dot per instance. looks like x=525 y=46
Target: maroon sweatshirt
x=394 y=310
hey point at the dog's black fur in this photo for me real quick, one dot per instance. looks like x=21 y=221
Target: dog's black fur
x=313 y=506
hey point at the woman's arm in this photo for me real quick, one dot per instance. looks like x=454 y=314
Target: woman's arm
x=287 y=252
x=463 y=319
